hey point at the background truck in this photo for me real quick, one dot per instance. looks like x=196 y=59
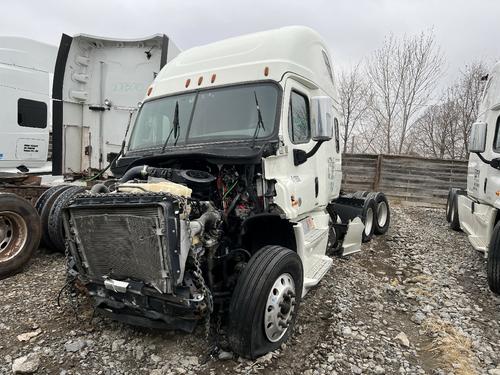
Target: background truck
x=476 y=210
x=228 y=198
x=98 y=83
x=26 y=71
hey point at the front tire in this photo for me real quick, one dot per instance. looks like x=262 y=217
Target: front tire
x=454 y=220
x=449 y=203
x=265 y=302
x=493 y=263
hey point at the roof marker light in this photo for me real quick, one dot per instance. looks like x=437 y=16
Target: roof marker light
x=188 y=82
x=150 y=90
x=200 y=80
x=266 y=71
x=213 y=78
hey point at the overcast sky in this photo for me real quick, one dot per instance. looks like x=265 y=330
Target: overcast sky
x=466 y=30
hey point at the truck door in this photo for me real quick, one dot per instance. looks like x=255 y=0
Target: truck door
x=304 y=180
x=491 y=176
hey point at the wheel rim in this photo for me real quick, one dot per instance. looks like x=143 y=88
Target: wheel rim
x=382 y=214
x=280 y=307
x=368 y=221
x=13 y=235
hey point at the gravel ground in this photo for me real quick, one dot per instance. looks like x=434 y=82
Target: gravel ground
x=414 y=301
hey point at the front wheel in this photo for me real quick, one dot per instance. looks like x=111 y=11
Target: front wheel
x=493 y=263
x=454 y=219
x=265 y=302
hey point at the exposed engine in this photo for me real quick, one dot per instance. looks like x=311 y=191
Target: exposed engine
x=162 y=246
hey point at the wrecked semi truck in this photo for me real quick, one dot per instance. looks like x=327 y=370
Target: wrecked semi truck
x=228 y=194
x=476 y=209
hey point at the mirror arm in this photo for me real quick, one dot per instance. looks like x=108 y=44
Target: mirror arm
x=494 y=163
x=482 y=158
x=300 y=156
x=314 y=149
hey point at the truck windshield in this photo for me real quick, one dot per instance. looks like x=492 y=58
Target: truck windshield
x=206 y=116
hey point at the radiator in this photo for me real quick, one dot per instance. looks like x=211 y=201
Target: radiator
x=125 y=241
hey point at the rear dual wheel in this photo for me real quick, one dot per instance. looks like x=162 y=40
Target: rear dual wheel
x=382 y=213
x=20 y=233
x=55 y=223
x=368 y=217
x=50 y=206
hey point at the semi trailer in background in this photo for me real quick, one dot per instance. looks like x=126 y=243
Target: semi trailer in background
x=26 y=72
x=476 y=209
x=99 y=83
x=226 y=200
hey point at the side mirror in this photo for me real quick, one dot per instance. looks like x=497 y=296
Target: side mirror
x=477 y=140
x=321 y=118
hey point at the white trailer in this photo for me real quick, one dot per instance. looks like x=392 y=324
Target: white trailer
x=26 y=71
x=98 y=83
x=476 y=209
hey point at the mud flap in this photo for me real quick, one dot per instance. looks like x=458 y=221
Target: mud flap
x=353 y=237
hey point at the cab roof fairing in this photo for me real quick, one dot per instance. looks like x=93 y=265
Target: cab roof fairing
x=293 y=49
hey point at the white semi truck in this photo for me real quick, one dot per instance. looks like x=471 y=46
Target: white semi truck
x=26 y=71
x=476 y=209
x=228 y=199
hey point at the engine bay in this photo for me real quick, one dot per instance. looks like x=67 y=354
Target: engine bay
x=162 y=239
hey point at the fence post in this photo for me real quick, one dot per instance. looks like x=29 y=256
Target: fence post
x=376 y=180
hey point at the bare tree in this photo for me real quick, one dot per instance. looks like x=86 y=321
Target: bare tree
x=355 y=100
x=386 y=86
x=443 y=129
x=403 y=74
x=420 y=62
x=468 y=91
x=436 y=132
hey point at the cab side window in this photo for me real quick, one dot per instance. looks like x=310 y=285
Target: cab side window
x=337 y=135
x=496 y=143
x=31 y=113
x=299 y=126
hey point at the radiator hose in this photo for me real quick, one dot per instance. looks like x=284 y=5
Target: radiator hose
x=143 y=171
x=206 y=221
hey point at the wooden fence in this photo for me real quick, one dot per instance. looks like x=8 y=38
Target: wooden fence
x=409 y=179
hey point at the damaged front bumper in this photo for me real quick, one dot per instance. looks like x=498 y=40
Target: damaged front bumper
x=145 y=307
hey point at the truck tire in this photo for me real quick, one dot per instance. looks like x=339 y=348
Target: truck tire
x=449 y=200
x=382 y=213
x=265 y=302
x=360 y=194
x=493 y=262
x=48 y=201
x=454 y=220
x=368 y=219
x=55 y=224
x=20 y=233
